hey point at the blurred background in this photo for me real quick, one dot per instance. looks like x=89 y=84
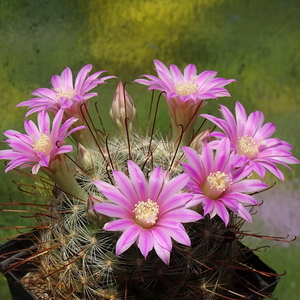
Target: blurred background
x=256 y=42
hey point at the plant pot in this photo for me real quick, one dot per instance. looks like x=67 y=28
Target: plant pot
x=264 y=284
x=13 y=252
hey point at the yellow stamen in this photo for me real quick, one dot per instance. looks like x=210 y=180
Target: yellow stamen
x=146 y=213
x=184 y=88
x=247 y=146
x=219 y=181
x=64 y=93
x=43 y=144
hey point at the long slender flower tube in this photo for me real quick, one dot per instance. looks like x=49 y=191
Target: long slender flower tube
x=217 y=180
x=251 y=139
x=73 y=98
x=149 y=213
x=42 y=148
x=185 y=94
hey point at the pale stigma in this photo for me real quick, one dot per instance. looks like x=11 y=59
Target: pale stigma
x=43 y=144
x=146 y=213
x=247 y=146
x=184 y=88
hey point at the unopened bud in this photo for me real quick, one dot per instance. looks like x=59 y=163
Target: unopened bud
x=122 y=110
x=92 y=214
x=84 y=157
x=200 y=140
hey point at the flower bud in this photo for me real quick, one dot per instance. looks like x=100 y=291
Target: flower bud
x=200 y=140
x=84 y=157
x=92 y=214
x=122 y=110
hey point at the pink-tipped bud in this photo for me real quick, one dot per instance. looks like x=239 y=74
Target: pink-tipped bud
x=200 y=140
x=92 y=214
x=122 y=110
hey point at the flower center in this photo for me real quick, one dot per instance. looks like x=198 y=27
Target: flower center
x=146 y=213
x=184 y=88
x=218 y=182
x=60 y=93
x=43 y=144
x=247 y=146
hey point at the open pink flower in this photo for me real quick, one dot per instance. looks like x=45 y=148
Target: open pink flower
x=251 y=139
x=185 y=94
x=149 y=213
x=40 y=146
x=217 y=180
x=64 y=94
x=188 y=85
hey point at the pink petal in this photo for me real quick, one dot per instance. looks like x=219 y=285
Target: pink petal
x=265 y=132
x=145 y=242
x=205 y=77
x=230 y=125
x=113 y=194
x=112 y=210
x=57 y=82
x=174 y=186
x=138 y=180
x=67 y=78
x=118 y=225
x=221 y=210
x=35 y=169
x=179 y=236
x=241 y=118
x=56 y=124
x=193 y=158
x=189 y=71
x=162 y=253
x=161 y=237
x=156 y=182
x=31 y=129
x=207 y=159
x=176 y=201
x=254 y=123
x=182 y=215
x=128 y=237
x=195 y=174
x=247 y=186
x=79 y=81
x=176 y=74
x=228 y=129
x=222 y=155
x=125 y=186
x=42 y=93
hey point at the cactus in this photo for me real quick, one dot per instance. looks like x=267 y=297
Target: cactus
x=75 y=257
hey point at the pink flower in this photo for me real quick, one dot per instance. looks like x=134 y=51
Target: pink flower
x=250 y=138
x=185 y=94
x=188 y=85
x=149 y=213
x=64 y=94
x=217 y=181
x=40 y=146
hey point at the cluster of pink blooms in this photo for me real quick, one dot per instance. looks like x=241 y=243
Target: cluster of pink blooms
x=150 y=210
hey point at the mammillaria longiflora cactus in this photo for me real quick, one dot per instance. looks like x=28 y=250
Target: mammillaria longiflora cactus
x=136 y=215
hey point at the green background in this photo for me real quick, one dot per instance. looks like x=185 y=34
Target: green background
x=256 y=42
